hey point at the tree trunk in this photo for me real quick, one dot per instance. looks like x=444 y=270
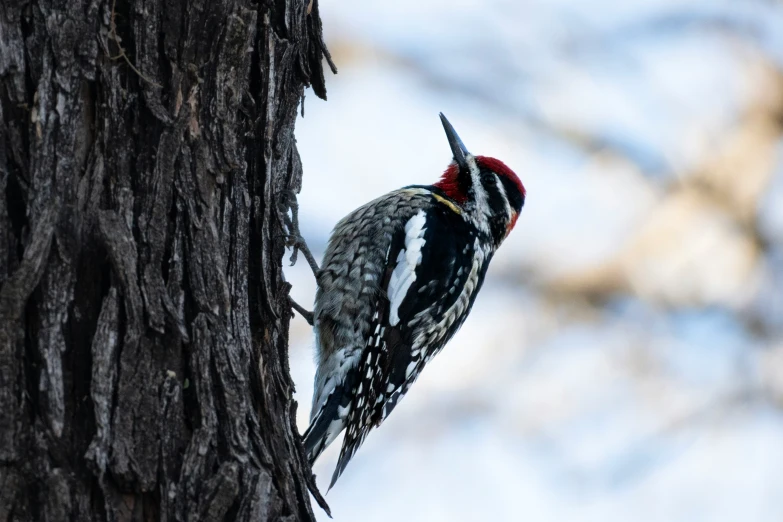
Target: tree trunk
x=147 y=153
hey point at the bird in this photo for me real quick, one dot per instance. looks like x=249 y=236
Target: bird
x=399 y=277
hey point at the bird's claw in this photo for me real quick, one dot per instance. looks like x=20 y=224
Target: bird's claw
x=306 y=314
x=294 y=239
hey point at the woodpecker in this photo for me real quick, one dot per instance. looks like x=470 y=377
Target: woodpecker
x=399 y=277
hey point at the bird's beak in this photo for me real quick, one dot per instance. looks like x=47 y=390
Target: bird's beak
x=457 y=147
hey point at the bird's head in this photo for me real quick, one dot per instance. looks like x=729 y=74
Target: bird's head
x=484 y=187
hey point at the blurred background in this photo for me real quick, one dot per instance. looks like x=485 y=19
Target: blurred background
x=624 y=360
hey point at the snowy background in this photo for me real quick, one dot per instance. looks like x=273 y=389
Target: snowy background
x=625 y=358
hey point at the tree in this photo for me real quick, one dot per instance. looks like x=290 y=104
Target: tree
x=147 y=158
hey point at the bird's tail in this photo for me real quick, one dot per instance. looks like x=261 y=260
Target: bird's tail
x=330 y=419
x=316 y=438
x=353 y=439
x=361 y=420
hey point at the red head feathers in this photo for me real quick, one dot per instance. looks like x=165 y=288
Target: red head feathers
x=450 y=184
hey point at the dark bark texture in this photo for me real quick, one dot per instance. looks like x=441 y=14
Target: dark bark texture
x=147 y=153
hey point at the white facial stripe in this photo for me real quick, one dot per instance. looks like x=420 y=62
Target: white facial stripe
x=404 y=273
x=502 y=190
x=475 y=176
x=480 y=195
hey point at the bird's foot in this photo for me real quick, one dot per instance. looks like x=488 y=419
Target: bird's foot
x=306 y=314
x=293 y=237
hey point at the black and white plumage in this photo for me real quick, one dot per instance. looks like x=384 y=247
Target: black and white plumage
x=399 y=277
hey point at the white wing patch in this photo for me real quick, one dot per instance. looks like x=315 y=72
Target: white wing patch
x=409 y=258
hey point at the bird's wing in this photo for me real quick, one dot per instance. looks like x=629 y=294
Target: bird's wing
x=415 y=314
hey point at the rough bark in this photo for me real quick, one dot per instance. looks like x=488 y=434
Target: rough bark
x=145 y=146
